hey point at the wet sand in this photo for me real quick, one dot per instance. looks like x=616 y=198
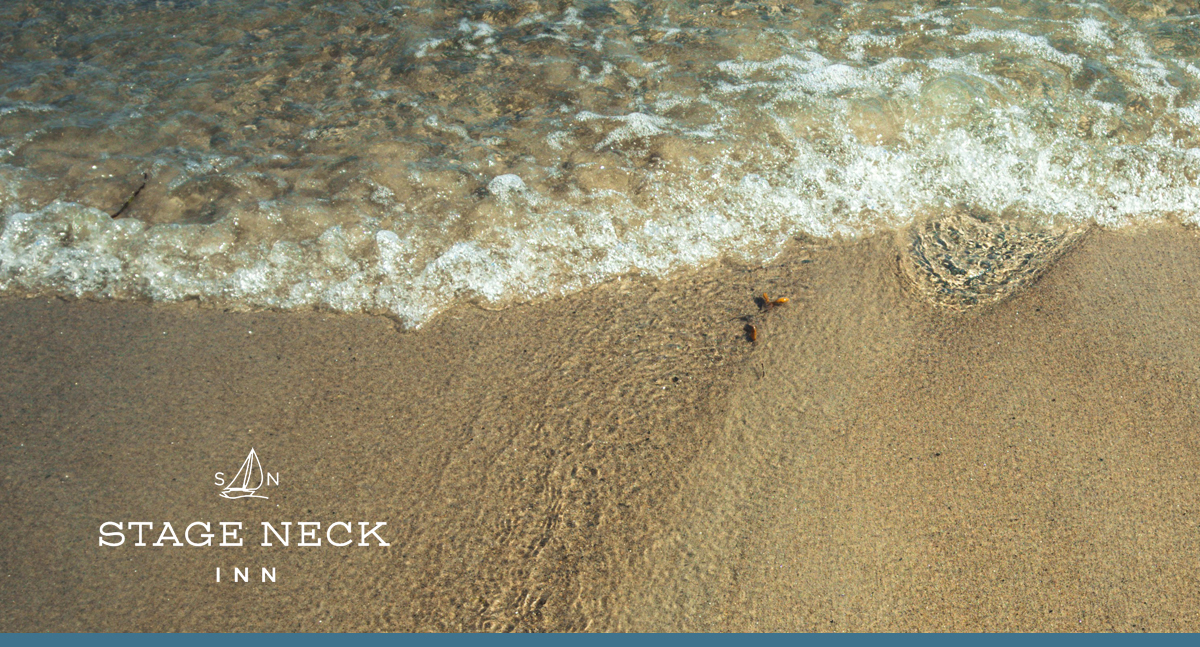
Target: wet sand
x=625 y=459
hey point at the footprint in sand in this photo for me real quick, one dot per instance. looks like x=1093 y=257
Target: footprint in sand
x=967 y=259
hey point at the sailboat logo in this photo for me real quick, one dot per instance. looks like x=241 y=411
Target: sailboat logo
x=249 y=479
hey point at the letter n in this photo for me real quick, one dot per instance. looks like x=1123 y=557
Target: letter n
x=269 y=530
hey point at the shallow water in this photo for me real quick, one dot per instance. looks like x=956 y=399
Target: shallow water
x=398 y=158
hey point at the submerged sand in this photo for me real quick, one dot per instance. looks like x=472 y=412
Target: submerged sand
x=625 y=459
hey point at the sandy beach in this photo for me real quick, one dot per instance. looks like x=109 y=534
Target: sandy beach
x=625 y=459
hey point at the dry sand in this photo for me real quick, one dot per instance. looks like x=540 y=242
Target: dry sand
x=624 y=459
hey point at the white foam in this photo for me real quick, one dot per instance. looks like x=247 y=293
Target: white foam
x=1093 y=32
x=25 y=106
x=1038 y=46
x=506 y=187
x=635 y=125
x=427 y=46
x=1190 y=114
x=856 y=44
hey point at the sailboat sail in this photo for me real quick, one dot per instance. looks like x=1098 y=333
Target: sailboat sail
x=247 y=481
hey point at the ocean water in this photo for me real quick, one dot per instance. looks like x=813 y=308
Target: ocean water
x=399 y=157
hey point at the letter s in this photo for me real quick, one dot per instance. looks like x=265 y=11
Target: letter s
x=106 y=533
x=220 y=476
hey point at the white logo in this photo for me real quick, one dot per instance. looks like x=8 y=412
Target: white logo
x=249 y=478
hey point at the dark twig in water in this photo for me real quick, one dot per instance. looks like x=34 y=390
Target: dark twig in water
x=765 y=305
x=129 y=201
x=752 y=333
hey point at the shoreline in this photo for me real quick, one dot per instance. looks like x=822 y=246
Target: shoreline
x=624 y=459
